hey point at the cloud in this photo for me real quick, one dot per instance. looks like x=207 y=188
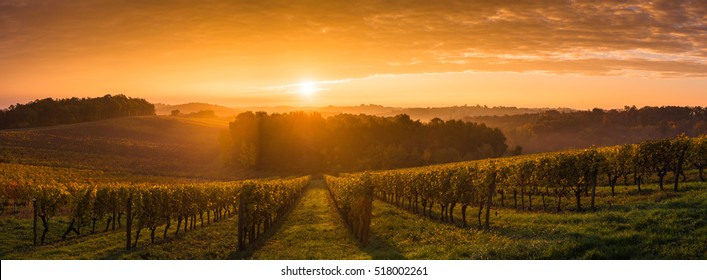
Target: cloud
x=565 y=36
x=13 y=3
x=348 y=39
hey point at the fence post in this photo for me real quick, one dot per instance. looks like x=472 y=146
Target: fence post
x=129 y=222
x=34 y=225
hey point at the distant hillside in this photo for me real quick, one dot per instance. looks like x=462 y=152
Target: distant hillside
x=220 y=111
x=428 y=113
x=370 y=109
x=154 y=145
x=554 y=130
x=423 y=114
x=460 y=112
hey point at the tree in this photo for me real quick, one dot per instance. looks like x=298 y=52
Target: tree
x=299 y=142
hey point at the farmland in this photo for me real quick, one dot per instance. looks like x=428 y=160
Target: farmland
x=652 y=225
x=509 y=208
x=148 y=145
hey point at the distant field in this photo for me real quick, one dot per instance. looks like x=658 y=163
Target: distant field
x=151 y=145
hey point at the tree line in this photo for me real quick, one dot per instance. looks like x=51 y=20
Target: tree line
x=48 y=111
x=306 y=142
x=554 y=130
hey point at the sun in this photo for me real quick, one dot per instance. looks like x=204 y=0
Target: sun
x=307 y=89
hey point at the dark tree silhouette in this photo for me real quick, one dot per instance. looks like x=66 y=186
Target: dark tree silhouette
x=300 y=142
x=49 y=111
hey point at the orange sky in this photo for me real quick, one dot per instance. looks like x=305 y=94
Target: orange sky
x=533 y=53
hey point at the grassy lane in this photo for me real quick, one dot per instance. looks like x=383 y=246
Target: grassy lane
x=313 y=230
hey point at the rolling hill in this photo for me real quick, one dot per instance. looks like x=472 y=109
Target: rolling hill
x=421 y=113
x=221 y=111
x=151 y=145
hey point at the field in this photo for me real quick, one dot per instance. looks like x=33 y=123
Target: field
x=149 y=145
x=630 y=224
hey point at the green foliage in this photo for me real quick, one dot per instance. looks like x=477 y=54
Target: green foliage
x=353 y=196
x=263 y=203
x=617 y=161
x=153 y=205
x=468 y=185
x=697 y=156
x=653 y=225
x=559 y=175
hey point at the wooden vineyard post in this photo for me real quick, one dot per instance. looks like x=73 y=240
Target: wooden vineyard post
x=365 y=236
x=128 y=222
x=491 y=189
x=594 y=189
x=34 y=224
x=241 y=222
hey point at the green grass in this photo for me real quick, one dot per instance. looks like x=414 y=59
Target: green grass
x=218 y=241
x=313 y=230
x=16 y=236
x=215 y=241
x=95 y=246
x=654 y=225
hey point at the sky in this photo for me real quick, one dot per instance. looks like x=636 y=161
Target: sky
x=415 y=53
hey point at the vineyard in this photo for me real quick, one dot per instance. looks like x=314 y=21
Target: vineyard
x=553 y=177
x=353 y=197
x=550 y=205
x=99 y=207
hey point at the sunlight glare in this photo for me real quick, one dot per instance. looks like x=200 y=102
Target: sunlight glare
x=307 y=89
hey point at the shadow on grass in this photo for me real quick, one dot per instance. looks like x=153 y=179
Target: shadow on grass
x=381 y=249
x=378 y=248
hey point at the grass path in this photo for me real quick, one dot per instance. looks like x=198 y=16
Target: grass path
x=313 y=230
